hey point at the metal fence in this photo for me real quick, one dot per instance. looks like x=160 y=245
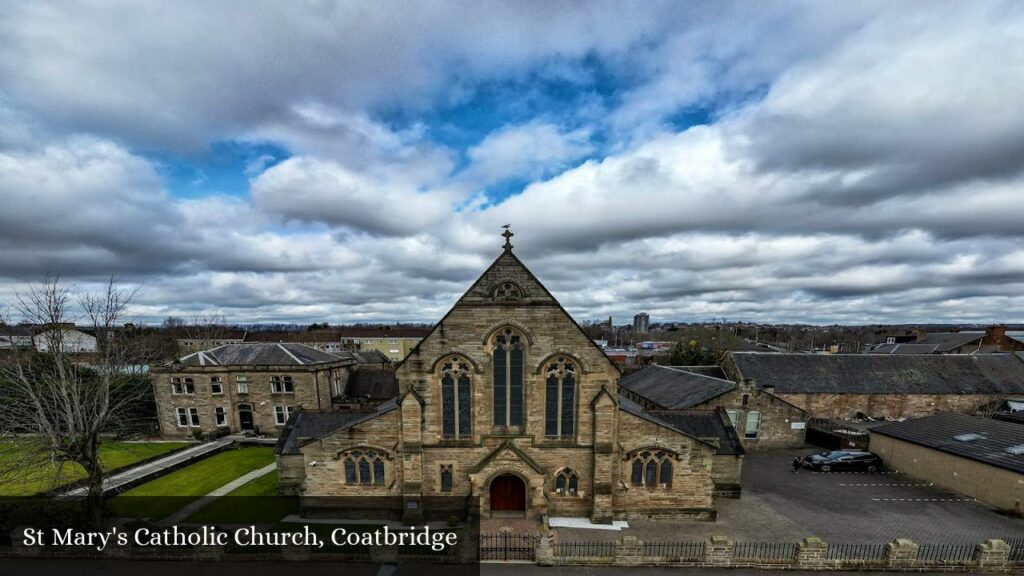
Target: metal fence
x=861 y=552
x=951 y=553
x=584 y=549
x=508 y=546
x=680 y=550
x=765 y=551
x=1016 y=549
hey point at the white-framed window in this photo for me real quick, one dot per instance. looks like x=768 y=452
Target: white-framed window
x=734 y=417
x=336 y=384
x=216 y=385
x=282 y=385
x=281 y=414
x=188 y=417
x=220 y=415
x=242 y=381
x=753 y=428
x=183 y=386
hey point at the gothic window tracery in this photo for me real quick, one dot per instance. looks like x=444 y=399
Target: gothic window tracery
x=508 y=378
x=560 y=398
x=363 y=467
x=567 y=483
x=651 y=468
x=456 y=398
x=506 y=292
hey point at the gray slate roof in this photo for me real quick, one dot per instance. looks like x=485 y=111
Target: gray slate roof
x=704 y=424
x=938 y=432
x=883 y=374
x=306 y=425
x=630 y=407
x=712 y=371
x=372 y=384
x=672 y=388
x=262 y=354
x=946 y=341
x=371 y=357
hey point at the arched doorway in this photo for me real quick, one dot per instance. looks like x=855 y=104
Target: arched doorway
x=508 y=494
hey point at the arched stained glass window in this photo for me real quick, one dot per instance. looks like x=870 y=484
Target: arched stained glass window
x=652 y=468
x=567 y=483
x=560 y=400
x=508 y=379
x=364 y=467
x=456 y=398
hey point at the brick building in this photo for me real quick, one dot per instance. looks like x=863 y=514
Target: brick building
x=880 y=385
x=506 y=403
x=762 y=420
x=242 y=387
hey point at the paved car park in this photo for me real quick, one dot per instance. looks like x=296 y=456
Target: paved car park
x=779 y=505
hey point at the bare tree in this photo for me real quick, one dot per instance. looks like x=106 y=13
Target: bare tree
x=56 y=405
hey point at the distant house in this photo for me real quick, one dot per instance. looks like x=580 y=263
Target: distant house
x=322 y=340
x=69 y=338
x=193 y=343
x=992 y=339
x=978 y=457
x=394 y=342
x=15 y=337
x=762 y=420
x=880 y=385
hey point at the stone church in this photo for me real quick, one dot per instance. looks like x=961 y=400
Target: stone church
x=508 y=408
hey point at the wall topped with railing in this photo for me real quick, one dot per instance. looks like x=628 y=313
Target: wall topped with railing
x=993 y=555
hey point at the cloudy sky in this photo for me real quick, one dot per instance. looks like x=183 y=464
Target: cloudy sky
x=310 y=161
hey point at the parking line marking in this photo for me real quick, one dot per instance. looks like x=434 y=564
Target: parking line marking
x=897 y=484
x=924 y=499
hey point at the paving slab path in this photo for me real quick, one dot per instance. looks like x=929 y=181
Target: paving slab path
x=137 y=473
x=196 y=505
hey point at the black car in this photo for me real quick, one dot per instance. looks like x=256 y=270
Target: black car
x=843 y=461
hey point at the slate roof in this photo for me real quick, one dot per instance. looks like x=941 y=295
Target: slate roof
x=704 y=424
x=905 y=348
x=938 y=433
x=371 y=357
x=712 y=371
x=262 y=354
x=372 y=384
x=311 y=425
x=946 y=341
x=672 y=388
x=883 y=374
x=630 y=407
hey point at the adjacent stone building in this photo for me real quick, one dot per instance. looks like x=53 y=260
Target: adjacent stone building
x=246 y=387
x=762 y=420
x=844 y=386
x=505 y=407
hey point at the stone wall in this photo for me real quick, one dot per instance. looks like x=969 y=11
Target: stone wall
x=777 y=418
x=845 y=406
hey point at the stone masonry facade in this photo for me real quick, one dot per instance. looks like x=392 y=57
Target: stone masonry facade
x=608 y=464
x=242 y=389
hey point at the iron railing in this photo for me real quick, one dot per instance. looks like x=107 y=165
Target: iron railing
x=680 y=550
x=765 y=551
x=584 y=549
x=945 y=553
x=1016 y=549
x=508 y=546
x=861 y=552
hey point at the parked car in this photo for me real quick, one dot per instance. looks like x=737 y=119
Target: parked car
x=843 y=461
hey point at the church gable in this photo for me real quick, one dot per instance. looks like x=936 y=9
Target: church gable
x=507 y=282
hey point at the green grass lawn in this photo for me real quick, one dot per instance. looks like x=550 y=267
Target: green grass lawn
x=255 y=502
x=163 y=496
x=114 y=455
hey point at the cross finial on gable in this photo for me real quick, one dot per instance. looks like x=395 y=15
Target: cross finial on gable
x=508 y=237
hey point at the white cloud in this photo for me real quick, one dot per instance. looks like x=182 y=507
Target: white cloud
x=529 y=151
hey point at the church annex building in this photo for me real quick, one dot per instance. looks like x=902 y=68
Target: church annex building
x=508 y=408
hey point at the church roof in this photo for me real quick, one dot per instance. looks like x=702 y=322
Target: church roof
x=630 y=407
x=671 y=387
x=305 y=425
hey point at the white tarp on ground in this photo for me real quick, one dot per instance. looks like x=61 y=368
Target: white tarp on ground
x=585 y=523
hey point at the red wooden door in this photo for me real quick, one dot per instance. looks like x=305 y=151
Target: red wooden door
x=508 y=493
